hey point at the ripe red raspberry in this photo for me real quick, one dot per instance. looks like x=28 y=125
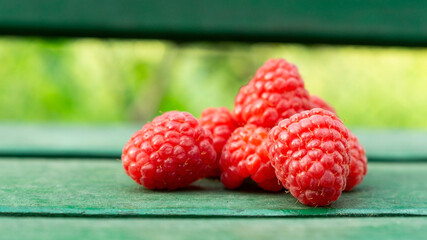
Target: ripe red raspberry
x=170 y=152
x=245 y=154
x=358 y=162
x=309 y=152
x=317 y=102
x=275 y=92
x=221 y=123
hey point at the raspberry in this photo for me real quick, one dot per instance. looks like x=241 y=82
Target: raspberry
x=170 y=152
x=309 y=153
x=221 y=123
x=275 y=92
x=317 y=102
x=358 y=162
x=245 y=154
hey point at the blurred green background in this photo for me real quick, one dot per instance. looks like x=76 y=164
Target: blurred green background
x=113 y=81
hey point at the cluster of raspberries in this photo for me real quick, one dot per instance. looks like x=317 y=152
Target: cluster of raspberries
x=277 y=135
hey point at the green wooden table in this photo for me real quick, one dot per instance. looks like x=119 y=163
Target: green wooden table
x=66 y=182
x=63 y=181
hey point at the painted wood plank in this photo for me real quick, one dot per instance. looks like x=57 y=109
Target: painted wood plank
x=309 y=21
x=247 y=228
x=107 y=141
x=31 y=187
x=53 y=140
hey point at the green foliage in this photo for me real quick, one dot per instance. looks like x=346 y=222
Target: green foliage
x=105 y=81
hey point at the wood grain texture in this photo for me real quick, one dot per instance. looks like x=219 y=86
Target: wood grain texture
x=227 y=229
x=376 y=22
x=107 y=141
x=97 y=188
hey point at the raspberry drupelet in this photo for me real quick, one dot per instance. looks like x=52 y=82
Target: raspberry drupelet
x=221 y=123
x=170 y=152
x=245 y=155
x=309 y=152
x=358 y=163
x=275 y=92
